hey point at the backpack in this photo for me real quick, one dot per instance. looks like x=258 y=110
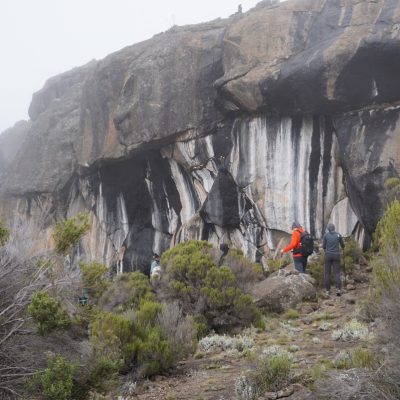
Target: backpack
x=306 y=244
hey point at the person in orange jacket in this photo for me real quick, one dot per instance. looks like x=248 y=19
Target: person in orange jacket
x=300 y=262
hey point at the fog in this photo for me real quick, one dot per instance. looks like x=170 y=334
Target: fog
x=42 y=38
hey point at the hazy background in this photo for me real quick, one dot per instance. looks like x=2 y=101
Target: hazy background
x=42 y=38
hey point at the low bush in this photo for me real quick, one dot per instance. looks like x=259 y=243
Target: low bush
x=387 y=231
x=111 y=336
x=392 y=189
x=316 y=269
x=193 y=278
x=291 y=314
x=149 y=340
x=276 y=265
x=94 y=278
x=126 y=292
x=352 y=254
x=362 y=357
x=216 y=343
x=246 y=273
x=103 y=374
x=56 y=381
x=47 y=313
x=180 y=329
x=352 y=330
x=271 y=373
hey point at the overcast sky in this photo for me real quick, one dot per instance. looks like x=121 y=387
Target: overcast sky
x=42 y=38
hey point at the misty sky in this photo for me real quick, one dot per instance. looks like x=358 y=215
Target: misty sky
x=42 y=38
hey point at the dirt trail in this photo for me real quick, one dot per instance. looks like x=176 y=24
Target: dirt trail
x=213 y=376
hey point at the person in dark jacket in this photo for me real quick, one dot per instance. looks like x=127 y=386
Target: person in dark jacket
x=330 y=243
x=299 y=261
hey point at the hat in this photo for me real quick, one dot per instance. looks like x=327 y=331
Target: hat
x=295 y=225
x=331 y=227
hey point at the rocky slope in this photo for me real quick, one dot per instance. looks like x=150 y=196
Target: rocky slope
x=224 y=131
x=309 y=332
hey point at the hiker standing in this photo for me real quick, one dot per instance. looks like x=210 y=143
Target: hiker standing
x=120 y=259
x=155 y=268
x=299 y=259
x=330 y=244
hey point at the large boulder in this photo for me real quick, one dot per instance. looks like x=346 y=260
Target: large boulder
x=284 y=290
x=312 y=56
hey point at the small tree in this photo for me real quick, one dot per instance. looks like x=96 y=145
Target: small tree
x=193 y=278
x=47 y=313
x=68 y=232
x=56 y=381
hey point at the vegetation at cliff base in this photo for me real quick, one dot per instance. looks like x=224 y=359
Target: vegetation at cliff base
x=193 y=278
x=68 y=232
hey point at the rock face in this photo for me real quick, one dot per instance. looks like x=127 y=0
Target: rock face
x=284 y=290
x=223 y=131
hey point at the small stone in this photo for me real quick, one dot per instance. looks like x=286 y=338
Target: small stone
x=350 y=287
x=316 y=340
x=306 y=309
x=285 y=392
x=351 y=300
x=369 y=269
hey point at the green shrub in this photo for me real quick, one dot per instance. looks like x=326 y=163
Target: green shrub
x=68 y=232
x=387 y=231
x=276 y=265
x=47 y=312
x=94 y=277
x=154 y=352
x=387 y=241
x=201 y=326
x=111 y=336
x=392 y=183
x=246 y=272
x=316 y=269
x=4 y=233
x=56 y=381
x=142 y=340
x=192 y=277
x=363 y=358
x=352 y=254
x=126 y=292
x=392 y=189
x=272 y=373
x=187 y=265
x=103 y=374
x=291 y=314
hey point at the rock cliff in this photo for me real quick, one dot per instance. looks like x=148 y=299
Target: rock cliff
x=226 y=130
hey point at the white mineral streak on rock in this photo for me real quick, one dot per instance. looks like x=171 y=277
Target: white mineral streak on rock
x=359 y=235
x=122 y=218
x=191 y=230
x=274 y=168
x=98 y=246
x=343 y=218
x=186 y=192
x=172 y=216
x=101 y=209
